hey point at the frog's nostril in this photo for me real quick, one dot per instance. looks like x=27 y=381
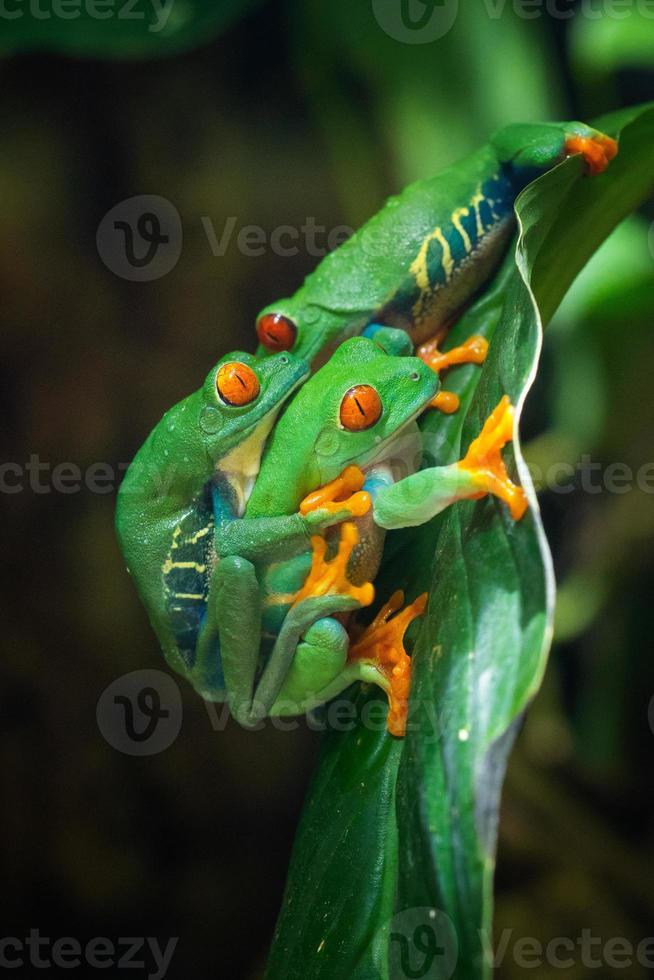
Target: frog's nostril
x=415 y=376
x=284 y=359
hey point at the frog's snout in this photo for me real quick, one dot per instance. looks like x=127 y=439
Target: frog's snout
x=291 y=367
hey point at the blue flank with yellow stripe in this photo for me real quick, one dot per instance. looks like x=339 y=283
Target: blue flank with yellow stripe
x=188 y=568
x=453 y=244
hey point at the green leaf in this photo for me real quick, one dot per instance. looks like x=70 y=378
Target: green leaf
x=341 y=843
x=398 y=838
x=122 y=29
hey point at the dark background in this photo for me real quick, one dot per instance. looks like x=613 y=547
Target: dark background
x=288 y=115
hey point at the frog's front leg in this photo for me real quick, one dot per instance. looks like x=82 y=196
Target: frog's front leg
x=473 y=351
x=418 y=498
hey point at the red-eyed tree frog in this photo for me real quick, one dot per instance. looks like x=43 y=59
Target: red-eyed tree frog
x=192 y=476
x=273 y=640
x=421 y=259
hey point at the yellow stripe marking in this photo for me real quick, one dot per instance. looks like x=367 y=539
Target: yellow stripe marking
x=419 y=265
x=420 y=271
x=456 y=221
x=477 y=199
x=168 y=566
x=200 y=534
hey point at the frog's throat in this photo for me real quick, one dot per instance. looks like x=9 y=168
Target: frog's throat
x=382 y=452
x=240 y=466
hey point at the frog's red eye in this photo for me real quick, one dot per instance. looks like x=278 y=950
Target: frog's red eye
x=276 y=332
x=237 y=384
x=361 y=407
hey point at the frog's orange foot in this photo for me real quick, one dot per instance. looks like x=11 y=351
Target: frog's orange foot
x=473 y=351
x=382 y=647
x=485 y=464
x=329 y=577
x=597 y=151
x=343 y=493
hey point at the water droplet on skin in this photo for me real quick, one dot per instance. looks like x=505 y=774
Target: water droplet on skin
x=210 y=419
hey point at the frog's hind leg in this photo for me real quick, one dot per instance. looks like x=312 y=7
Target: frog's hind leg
x=531 y=149
x=325 y=663
x=234 y=610
x=306 y=664
x=231 y=631
x=318 y=663
x=309 y=628
x=382 y=658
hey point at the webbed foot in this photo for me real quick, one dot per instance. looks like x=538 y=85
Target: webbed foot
x=597 y=150
x=342 y=494
x=381 y=648
x=484 y=462
x=330 y=577
x=473 y=351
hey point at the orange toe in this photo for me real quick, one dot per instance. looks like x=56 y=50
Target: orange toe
x=597 y=151
x=330 y=577
x=446 y=402
x=485 y=464
x=382 y=646
x=343 y=493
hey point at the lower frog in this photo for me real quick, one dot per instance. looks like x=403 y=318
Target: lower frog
x=282 y=623
x=192 y=476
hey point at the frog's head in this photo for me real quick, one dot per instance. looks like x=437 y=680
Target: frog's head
x=310 y=332
x=242 y=395
x=356 y=408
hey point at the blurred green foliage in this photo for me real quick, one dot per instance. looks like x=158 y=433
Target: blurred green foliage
x=297 y=110
x=125 y=29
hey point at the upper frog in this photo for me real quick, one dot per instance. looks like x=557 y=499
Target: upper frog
x=420 y=260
